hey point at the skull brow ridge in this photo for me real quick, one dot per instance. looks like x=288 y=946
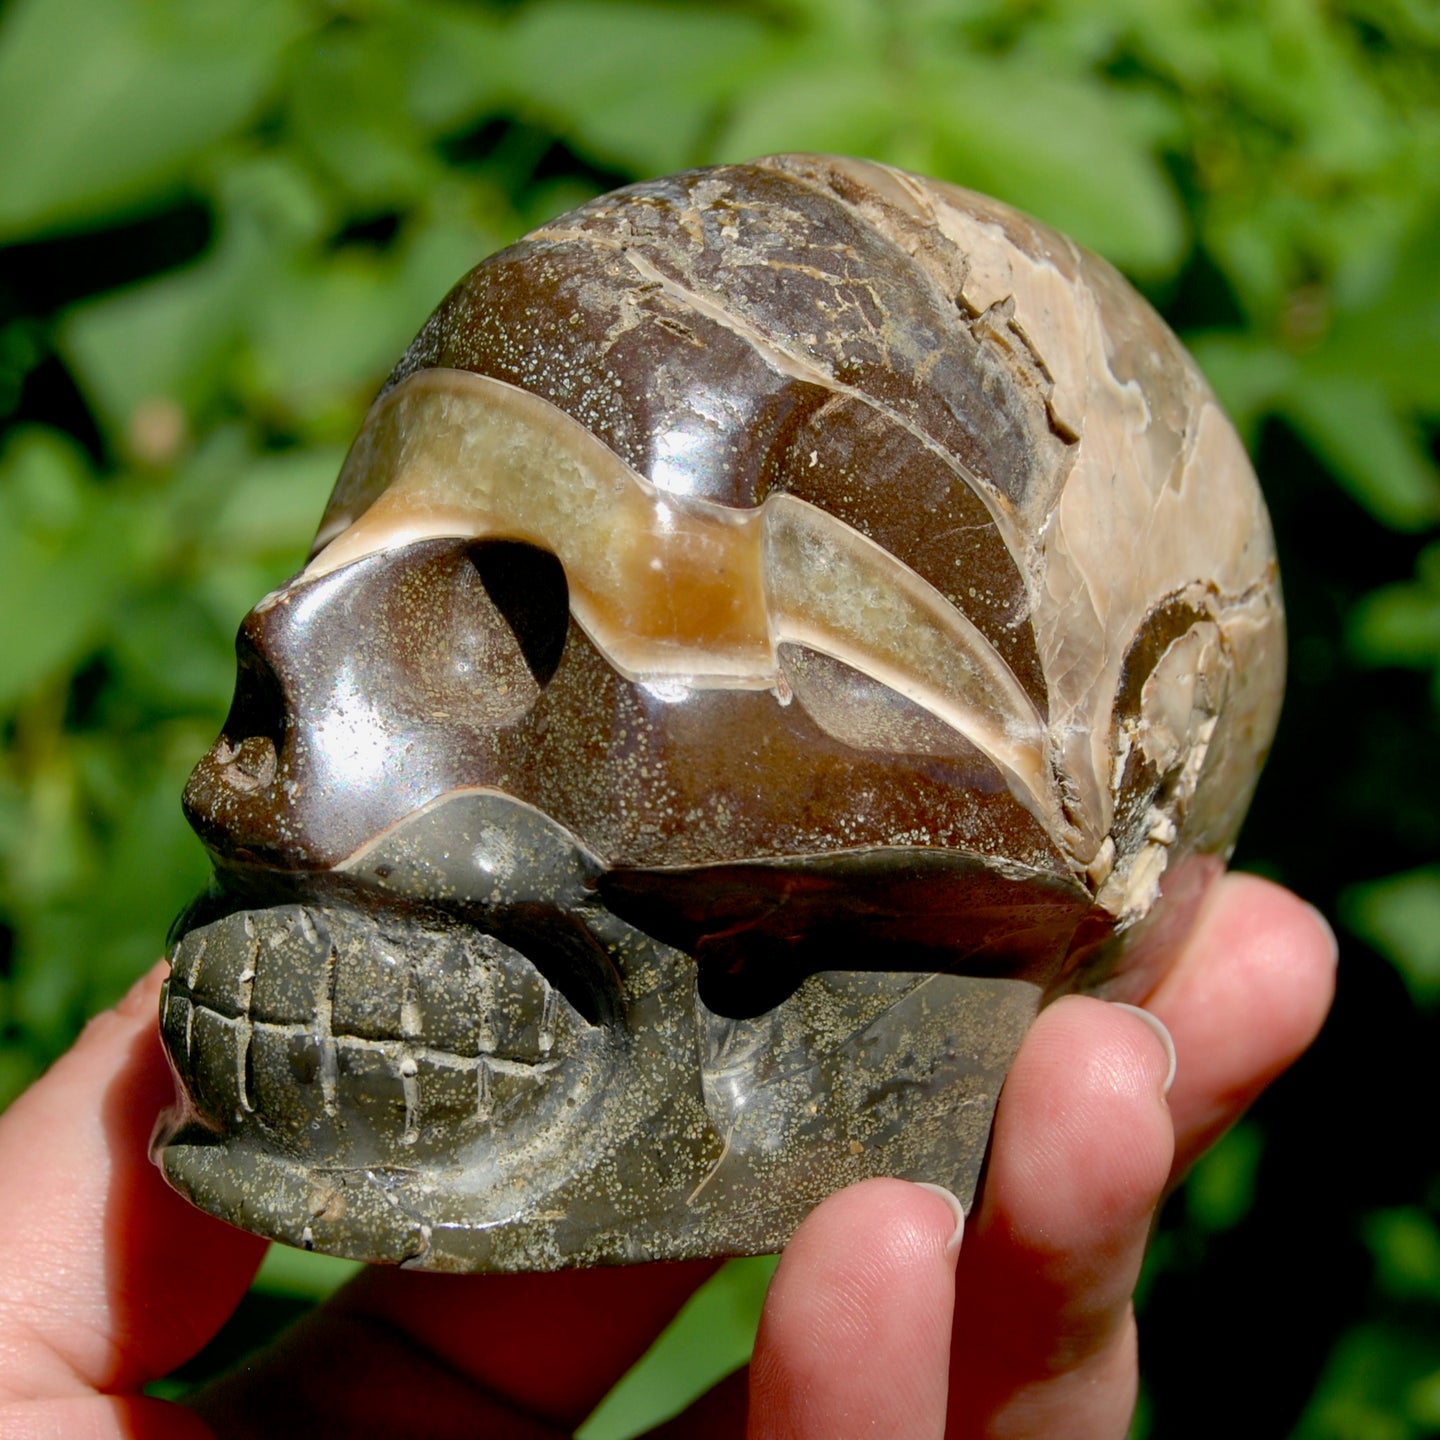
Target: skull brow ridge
x=668 y=586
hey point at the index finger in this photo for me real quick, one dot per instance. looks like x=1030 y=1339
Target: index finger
x=107 y=1278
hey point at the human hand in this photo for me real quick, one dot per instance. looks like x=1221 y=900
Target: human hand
x=108 y=1279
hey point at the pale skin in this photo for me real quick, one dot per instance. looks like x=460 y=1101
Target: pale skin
x=878 y=1322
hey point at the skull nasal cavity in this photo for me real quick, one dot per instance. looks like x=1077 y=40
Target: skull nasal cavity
x=527 y=586
x=258 y=710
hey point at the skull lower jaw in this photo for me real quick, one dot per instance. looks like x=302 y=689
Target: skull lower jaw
x=516 y=1135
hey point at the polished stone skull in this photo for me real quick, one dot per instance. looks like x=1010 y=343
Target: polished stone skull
x=777 y=626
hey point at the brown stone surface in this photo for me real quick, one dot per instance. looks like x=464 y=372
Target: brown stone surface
x=778 y=624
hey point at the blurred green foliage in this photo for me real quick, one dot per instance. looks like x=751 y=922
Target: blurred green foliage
x=220 y=224
x=709 y=1339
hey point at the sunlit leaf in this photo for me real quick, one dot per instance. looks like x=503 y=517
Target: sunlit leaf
x=1400 y=917
x=711 y=1337
x=62 y=579
x=633 y=84
x=170 y=339
x=177 y=338
x=1353 y=427
x=104 y=104
x=170 y=654
x=275 y=501
x=323 y=335
x=1061 y=149
x=1394 y=337
x=1221 y=1187
x=302 y=1274
x=17 y=1069
x=1406 y=1247
x=456 y=66
x=151 y=866
x=1250 y=375
x=1400 y=624
x=349 y=109
x=842 y=107
x=1058 y=149
x=1378 y=1384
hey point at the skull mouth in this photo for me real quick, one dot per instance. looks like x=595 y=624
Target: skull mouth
x=394 y=1015
x=340 y=1054
x=375 y=1034
x=460 y=1048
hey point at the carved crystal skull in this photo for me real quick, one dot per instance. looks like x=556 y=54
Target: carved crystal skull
x=777 y=626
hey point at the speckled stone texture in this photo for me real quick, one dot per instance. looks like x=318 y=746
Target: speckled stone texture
x=777 y=626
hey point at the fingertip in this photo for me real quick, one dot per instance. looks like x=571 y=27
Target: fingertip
x=1295 y=956
x=1090 y=1051
x=1083 y=1140
x=98 y=1256
x=110 y=1037
x=956 y=1212
x=855 y=1335
x=1271 y=924
x=1161 y=1032
x=1081 y=1154
x=101 y=1417
x=1246 y=996
x=1274 y=917
x=1328 y=945
x=899 y=1224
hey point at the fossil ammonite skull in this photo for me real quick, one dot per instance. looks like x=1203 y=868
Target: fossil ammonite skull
x=777 y=625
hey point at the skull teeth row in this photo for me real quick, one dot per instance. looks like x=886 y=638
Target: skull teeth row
x=316 y=1025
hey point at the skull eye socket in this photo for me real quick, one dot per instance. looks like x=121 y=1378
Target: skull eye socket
x=527 y=586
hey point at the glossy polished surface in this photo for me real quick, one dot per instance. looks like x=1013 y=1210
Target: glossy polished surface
x=777 y=624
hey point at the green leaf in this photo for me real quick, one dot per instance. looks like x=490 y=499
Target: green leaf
x=1391 y=335
x=349 y=108
x=1058 y=148
x=843 y=108
x=709 y=1339
x=50 y=851
x=1063 y=149
x=151 y=864
x=323 y=334
x=104 y=105
x=64 y=557
x=302 y=1274
x=633 y=85
x=1352 y=425
x=455 y=69
x=1378 y=1384
x=171 y=339
x=17 y=1069
x=274 y=503
x=176 y=338
x=1406 y=1247
x=1249 y=374
x=1400 y=917
x=1221 y=1187
x=170 y=654
x=1399 y=624
x=324 y=329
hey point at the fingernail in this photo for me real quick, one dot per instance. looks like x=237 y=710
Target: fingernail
x=1166 y=1039
x=1329 y=930
x=957 y=1209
